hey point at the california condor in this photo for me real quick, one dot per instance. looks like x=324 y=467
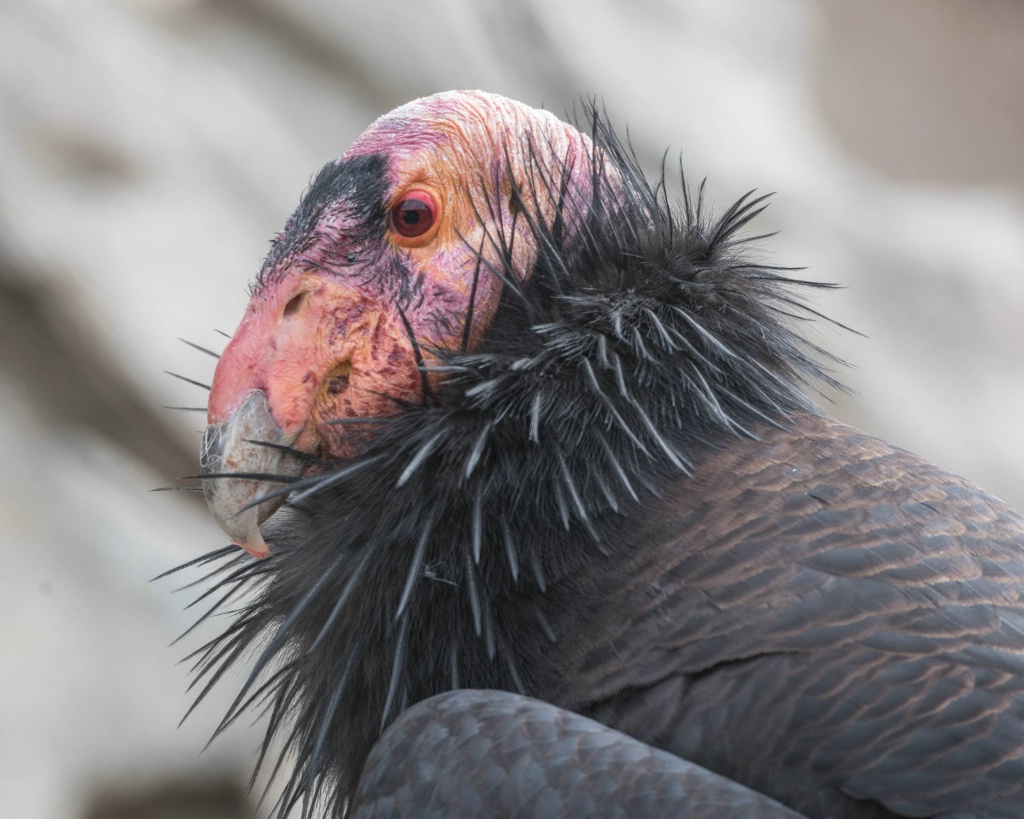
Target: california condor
x=542 y=521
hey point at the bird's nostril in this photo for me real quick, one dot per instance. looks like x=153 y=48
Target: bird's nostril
x=294 y=304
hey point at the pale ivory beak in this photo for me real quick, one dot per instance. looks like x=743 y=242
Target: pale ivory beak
x=234 y=446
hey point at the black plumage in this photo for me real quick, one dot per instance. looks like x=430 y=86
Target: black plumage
x=441 y=757
x=622 y=503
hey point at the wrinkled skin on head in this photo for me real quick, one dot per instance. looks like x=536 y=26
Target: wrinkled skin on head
x=347 y=310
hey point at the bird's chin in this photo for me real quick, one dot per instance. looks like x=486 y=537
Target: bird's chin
x=246 y=469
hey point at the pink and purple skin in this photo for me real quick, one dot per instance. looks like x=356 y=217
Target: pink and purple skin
x=317 y=344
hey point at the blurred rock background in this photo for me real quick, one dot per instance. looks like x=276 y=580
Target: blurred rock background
x=150 y=148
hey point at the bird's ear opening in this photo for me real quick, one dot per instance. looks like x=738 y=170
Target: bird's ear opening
x=515 y=202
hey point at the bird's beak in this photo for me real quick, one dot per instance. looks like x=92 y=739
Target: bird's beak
x=233 y=447
x=262 y=399
x=311 y=349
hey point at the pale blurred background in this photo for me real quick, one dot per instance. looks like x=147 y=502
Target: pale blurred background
x=150 y=148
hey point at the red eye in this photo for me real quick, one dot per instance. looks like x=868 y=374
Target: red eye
x=414 y=214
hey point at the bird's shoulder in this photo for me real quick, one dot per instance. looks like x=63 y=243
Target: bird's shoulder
x=819 y=585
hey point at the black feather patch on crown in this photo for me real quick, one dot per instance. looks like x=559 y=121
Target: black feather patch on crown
x=643 y=336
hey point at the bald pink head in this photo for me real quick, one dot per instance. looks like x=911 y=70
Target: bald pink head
x=395 y=251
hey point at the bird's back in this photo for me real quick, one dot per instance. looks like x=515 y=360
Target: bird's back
x=825 y=618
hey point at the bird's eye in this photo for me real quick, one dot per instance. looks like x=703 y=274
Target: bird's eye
x=414 y=214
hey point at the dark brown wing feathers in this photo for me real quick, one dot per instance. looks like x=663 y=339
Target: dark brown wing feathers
x=858 y=638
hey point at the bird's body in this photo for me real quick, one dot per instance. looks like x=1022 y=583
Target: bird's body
x=858 y=640
x=555 y=442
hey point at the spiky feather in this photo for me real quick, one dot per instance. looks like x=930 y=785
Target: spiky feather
x=643 y=336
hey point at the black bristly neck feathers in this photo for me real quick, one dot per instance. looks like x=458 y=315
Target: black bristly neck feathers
x=643 y=336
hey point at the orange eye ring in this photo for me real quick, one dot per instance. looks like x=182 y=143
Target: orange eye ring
x=414 y=214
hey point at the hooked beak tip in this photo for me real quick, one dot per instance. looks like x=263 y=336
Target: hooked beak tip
x=255 y=545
